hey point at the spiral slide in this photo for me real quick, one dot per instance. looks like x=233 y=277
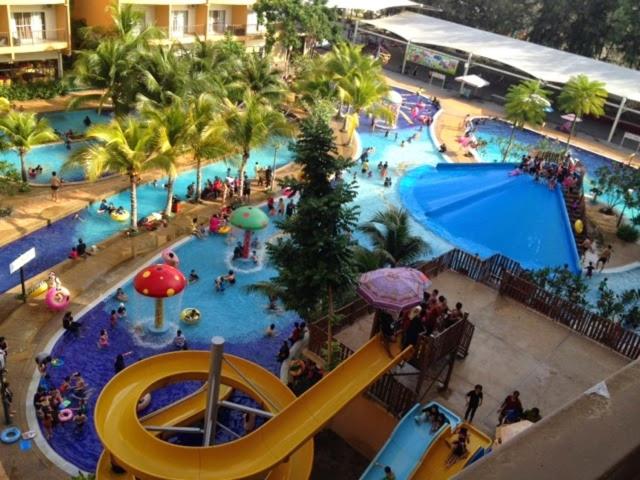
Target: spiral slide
x=281 y=448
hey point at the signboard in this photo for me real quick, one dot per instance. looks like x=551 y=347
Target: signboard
x=22 y=260
x=431 y=59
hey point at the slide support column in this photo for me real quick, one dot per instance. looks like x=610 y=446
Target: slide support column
x=213 y=391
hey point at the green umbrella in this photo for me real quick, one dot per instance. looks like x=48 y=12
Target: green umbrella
x=250 y=219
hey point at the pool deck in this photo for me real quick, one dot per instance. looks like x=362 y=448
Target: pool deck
x=29 y=327
x=513 y=348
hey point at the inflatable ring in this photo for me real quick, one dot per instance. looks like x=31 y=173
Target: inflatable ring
x=120 y=217
x=170 y=258
x=38 y=289
x=296 y=368
x=65 y=415
x=190 y=316
x=578 y=226
x=10 y=435
x=224 y=230
x=57 y=299
x=144 y=402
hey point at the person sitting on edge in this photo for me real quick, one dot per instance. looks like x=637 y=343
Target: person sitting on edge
x=69 y=324
x=81 y=248
x=179 y=341
x=459 y=448
x=230 y=277
x=121 y=296
x=74 y=253
x=271 y=330
x=193 y=276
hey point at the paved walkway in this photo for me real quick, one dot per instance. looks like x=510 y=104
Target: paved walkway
x=513 y=348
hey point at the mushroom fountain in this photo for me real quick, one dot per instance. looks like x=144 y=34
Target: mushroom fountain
x=249 y=219
x=159 y=281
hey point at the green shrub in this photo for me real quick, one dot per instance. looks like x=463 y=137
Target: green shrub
x=628 y=233
x=31 y=91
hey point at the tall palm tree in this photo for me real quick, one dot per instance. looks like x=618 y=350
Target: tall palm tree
x=205 y=134
x=113 y=67
x=364 y=95
x=23 y=131
x=250 y=125
x=262 y=79
x=165 y=75
x=391 y=237
x=525 y=103
x=126 y=146
x=582 y=96
x=170 y=125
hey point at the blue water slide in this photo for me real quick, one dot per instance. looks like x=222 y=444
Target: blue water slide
x=407 y=444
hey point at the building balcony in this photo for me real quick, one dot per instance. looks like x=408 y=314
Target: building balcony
x=240 y=31
x=26 y=40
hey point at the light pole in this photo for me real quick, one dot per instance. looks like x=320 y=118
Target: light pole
x=276 y=146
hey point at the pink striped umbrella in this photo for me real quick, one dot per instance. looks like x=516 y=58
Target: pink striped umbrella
x=393 y=289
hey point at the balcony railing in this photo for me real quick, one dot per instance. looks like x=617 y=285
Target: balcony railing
x=25 y=35
x=240 y=30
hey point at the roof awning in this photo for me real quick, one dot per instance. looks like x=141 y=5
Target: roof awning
x=473 y=80
x=540 y=62
x=369 y=5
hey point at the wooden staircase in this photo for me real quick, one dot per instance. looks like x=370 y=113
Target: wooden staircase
x=571 y=198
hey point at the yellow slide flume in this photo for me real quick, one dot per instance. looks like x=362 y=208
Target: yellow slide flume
x=434 y=463
x=250 y=457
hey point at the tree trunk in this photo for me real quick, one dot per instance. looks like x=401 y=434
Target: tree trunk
x=134 y=203
x=243 y=165
x=23 y=164
x=506 y=152
x=571 y=132
x=330 y=328
x=346 y=119
x=198 y=193
x=170 y=185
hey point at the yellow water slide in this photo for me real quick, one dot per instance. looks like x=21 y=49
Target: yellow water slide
x=281 y=448
x=434 y=462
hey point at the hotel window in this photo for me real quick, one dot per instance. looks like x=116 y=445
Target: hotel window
x=217 y=21
x=28 y=26
x=180 y=23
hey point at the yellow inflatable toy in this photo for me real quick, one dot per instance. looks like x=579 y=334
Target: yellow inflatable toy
x=578 y=226
x=190 y=316
x=224 y=230
x=37 y=289
x=120 y=217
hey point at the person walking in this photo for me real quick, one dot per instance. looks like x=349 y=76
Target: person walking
x=474 y=400
x=56 y=183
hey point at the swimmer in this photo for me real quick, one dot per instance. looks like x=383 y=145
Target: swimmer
x=121 y=296
x=103 y=340
x=122 y=311
x=113 y=318
x=193 y=277
x=402 y=143
x=271 y=330
x=254 y=257
x=230 y=277
x=219 y=282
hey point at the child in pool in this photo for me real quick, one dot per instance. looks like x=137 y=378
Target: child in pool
x=121 y=296
x=122 y=311
x=103 y=341
x=113 y=318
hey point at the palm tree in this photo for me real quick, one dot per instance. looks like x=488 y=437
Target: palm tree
x=364 y=95
x=250 y=125
x=126 y=146
x=23 y=131
x=205 y=134
x=260 y=78
x=165 y=75
x=171 y=126
x=525 y=103
x=390 y=235
x=582 y=96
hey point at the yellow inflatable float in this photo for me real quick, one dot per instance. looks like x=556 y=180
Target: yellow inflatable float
x=578 y=226
x=123 y=216
x=37 y=289
x=190 y=316
x=224 y=230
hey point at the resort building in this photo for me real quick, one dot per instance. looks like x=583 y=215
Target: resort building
x=184 y=20
x=33 y=37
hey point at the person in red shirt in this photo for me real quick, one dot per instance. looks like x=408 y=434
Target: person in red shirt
x=511 y=407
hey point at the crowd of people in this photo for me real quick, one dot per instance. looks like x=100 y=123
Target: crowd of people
x=567 y=172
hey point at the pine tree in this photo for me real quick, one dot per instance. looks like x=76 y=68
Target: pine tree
x=314 y=258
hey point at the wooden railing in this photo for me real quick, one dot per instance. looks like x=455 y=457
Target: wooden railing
x=504 y=274
x=577 y=318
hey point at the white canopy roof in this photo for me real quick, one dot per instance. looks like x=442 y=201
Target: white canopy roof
x=473 y=80
x=545 y=63
x=370 y=5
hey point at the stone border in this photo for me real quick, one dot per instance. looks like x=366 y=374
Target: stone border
x=32 y=421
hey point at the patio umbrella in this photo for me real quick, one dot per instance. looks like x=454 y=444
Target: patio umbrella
x=571 y=117
x=393 y=289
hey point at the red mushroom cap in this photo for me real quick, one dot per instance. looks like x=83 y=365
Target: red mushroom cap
x=159 y=281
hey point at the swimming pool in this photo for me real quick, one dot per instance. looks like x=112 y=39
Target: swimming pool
x=53 y=243
x=65 y=120
x=484 y=210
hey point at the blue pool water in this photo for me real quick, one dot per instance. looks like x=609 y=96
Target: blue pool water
x=483 y=210
x=64 y=120
x=94 y=228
